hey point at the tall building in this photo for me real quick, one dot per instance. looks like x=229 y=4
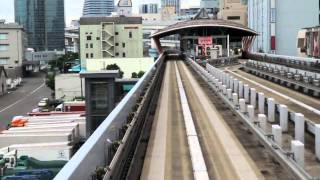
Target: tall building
x=12 y=48
x=176 y=4
x=151 y=8
x=98 y=8
x=234 y=10
x=278 y=23
x=111 y=37
x=43 y=21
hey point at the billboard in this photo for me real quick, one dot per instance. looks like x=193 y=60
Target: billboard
x=205 y=40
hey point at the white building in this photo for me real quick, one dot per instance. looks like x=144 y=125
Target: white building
x=124 y=8
x=278 y=23
x=12 y=48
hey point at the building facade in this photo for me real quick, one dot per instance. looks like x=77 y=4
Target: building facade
x=278 y=23
x=3 y=81
x=234 y=10
x=43 y=21
x=176 y=4
x=151 y=8
x=96 y=8
x=124 y=8
x=12 y=48
x=110 y=37
x=210 y=4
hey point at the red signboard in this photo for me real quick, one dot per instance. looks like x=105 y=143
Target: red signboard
x=206 y=40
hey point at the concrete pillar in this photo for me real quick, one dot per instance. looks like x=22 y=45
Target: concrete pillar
x=242 y=104
x=261 y=102
x=246 y=93
x=235 y=99
x=229 y=94
x=240 y=89
x=297 y=148
x=220 y=86
x=235 y=85
x=299 y=127
x=231 y=83
x=250 y=110
x=271 y=110
x=262 y=118
x=317 y=140
x=277 y=134
x=283 y=117
x=216 y=82
x=224 y=89
x=253 y=97
x=227 y=81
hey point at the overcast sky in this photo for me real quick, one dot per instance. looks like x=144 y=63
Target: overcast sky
x=73 y=8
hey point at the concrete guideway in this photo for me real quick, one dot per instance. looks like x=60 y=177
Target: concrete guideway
x=168 y=154
x=224 y=155
x=283 y=92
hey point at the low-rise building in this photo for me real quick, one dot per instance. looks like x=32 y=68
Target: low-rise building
x=12 y=48
x=110 y=37
x=3 y=81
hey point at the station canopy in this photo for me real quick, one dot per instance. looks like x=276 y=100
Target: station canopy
x=203 y=25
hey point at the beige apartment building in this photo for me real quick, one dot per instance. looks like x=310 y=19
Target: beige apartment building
x=234 y=10
x=111 y=37
x=12 y=48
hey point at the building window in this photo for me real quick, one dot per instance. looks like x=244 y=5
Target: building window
x=91 y=55
x=272 y=15
x=116 y=33
x=3 y=36
x=117 y=54
x=123 y=45
x=98 y=38
x=89 y=38
x=87 y=55
x=123 y=54
x=233 y=17
x=4 y=47
x=91 y=45
x=87 y=45
x=130 y=34
x=117 y=44
x=4 y=60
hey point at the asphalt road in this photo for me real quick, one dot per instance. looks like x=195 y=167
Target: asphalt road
x=23 y=100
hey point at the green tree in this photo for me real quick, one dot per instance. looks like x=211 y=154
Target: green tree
x=140 y=74
x=115 y=67
x=50 y=82
x=60 y=63
x=134 y=75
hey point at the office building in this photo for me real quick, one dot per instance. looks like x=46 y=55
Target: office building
x=151 y=8
x=43 y=22
x=98 y=8
x=72 y=40
x=124 y=8
x=278 y=23
x=175 y=4
x=12 y=48
x=110 y=37
x=234 y=10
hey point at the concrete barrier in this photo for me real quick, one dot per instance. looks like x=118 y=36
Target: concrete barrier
x=277 y=134
x=261 y=104
x=250 y=110
x=253 y=97
x=299 y=127
x=297 y=149
x=271 y=110
x=246 y=93
x=262 y=118
x=242 y=104
x=317 y=140
x=240 y=89
x=283 y=117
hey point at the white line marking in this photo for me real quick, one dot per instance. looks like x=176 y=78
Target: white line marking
x=17 y=102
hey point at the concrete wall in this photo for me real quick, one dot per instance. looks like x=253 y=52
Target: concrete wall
x=293 y=15
x=233 y=8
x=68 y=86
x=127 y=65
